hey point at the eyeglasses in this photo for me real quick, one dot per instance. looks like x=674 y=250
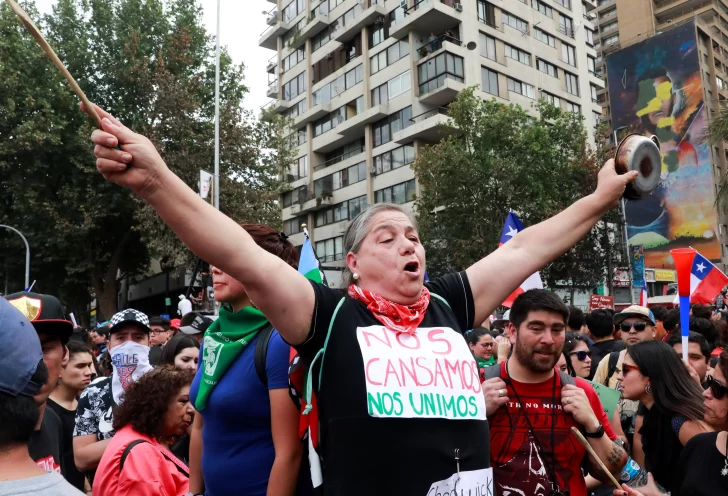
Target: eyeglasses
x=486 y=345
x=716 y=388
x=581 y=355
x=626 y=368
x=638 y=326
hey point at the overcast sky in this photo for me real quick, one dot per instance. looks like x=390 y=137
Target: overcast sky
x=241 y=24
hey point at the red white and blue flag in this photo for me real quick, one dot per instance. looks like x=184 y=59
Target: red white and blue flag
x=706 y=281
x=643 y=295
x=512 y=227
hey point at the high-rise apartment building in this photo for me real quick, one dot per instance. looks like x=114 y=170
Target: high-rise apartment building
x=366 y=83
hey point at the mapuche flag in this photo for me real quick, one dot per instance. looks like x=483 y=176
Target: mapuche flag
x=512 y=227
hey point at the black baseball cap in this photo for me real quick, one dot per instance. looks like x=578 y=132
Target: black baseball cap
x=129 y=316
x=195 y=323
x=45 y=312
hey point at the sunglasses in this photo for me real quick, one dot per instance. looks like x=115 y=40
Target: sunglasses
x=716 y=388
x=638 y=326
x=626 y=368
x=581 y=355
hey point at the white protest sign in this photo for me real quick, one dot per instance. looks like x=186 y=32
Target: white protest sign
x=471 y=482
x=431 y=374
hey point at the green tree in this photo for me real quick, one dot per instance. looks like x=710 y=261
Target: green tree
x=150 y=63
x=497 y=158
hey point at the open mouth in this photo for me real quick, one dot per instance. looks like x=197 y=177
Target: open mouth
x=412 y=267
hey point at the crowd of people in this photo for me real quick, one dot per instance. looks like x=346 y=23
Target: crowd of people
x=395 y=399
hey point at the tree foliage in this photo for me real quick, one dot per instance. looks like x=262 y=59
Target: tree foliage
x=500 y=157
x=151 y=64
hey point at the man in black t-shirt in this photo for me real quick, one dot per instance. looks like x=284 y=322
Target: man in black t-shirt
x=600 y=323
x=45 y=312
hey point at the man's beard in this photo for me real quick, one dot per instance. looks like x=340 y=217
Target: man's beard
x=539 y=364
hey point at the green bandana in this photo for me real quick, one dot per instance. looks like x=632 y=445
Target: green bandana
x=485 y=363
x=224 y=341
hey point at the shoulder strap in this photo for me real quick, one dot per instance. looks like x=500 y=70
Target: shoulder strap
x=441 y=299
x=127 y=450
x=613 y=359
x=566 y=379
x=261 y=352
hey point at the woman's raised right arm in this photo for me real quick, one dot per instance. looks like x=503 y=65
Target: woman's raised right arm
x=278 y=290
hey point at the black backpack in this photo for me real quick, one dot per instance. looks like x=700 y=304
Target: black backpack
x=261 y=352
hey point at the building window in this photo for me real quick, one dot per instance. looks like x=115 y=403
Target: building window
x=295 y=58
x=399 y=193
x=608 y=27
x=342 y=211
x=593 y=90
x=387 y=127
x=294 y=87
x=338 y=116
x=378 y=34
x=297 y=138
x=514 y=22
x=591 y=63
x=552 y=99
x=490 y=81
x=389 y=56
x=611 y=40
x=487 y=46
x=568 y=54
x=296 y=109
x=547 y=68
x=521 y=88
x=720 y=83
x=564 y=3
x=589 y=36
x=330 y=250
x=519 y=55
x=597 y=118
x=543 y=8
x=392 y=88
x=432 y=74
x=298 y=169
x=336 y=87
x=566 y=25
x=293 y=226
x=572 y=84
x=394 y=159
x=292 y=10
x=572 y=107
x=486 y=13
x=544 y=37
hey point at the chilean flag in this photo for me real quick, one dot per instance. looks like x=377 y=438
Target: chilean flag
x=512 y=227
x=706 y=281
x=643 y=295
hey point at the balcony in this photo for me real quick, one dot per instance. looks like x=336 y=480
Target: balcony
x=349 y=27
x=269 y=38
x=272 y=89
x=311 y=202
x=272 y=66
x=441 y=76
x=351 y=128
x=341 y=158
x=314 y=27
x=445 y=93
x=672 y=9
x=312 y=115
x=431 y=126
x=428 y=16
x=280 y=105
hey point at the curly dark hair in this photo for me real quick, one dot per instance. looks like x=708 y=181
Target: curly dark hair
x=146 y=400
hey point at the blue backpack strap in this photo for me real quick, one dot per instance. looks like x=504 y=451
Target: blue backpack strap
x=309 y=376
x=441 y=299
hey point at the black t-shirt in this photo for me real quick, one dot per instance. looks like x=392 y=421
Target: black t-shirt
x=45 y=445
x=68 y=464
x=699 y=468
x=601 y=349
x=155 y=354
x=395 y=409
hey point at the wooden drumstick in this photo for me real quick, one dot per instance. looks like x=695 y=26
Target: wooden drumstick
x=33 y=30
x=590 y=450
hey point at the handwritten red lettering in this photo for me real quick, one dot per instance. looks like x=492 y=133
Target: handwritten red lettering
x=440 y=373
x=408 y=371
x=453 y=368
x=403 y=338
x=432 y=337
x=385 y=334
x=366 y=371
x=424 y=367
x=391 y=371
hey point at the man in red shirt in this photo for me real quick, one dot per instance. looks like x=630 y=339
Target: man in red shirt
x=530 y=411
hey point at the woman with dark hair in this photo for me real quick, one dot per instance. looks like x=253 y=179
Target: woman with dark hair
x=482 y=346
x=672 y=405
x=155 y=412
x=182 y=352
x=75 y=377
x=250 y=437
x=577 y=354
x=385 y=313
x=703 y=466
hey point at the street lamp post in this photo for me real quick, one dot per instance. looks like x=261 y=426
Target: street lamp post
x=216 y=192
x=27 y=254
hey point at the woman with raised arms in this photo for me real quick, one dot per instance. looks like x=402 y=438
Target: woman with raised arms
x=375 y=434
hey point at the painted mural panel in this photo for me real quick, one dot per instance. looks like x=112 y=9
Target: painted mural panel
x=655 y=88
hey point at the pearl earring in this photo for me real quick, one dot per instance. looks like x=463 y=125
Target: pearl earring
x=356 y=277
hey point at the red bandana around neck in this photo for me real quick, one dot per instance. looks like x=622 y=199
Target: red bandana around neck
x=395 y=317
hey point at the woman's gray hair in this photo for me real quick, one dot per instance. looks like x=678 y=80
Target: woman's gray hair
x=360 y=227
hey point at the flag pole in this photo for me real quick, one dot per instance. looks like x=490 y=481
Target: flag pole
x=217 y=112
x=305 y=233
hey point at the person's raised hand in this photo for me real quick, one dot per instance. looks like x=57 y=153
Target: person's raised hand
x=137 y=165
x=504 y=348
x=610 y=185
x=495 y=393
